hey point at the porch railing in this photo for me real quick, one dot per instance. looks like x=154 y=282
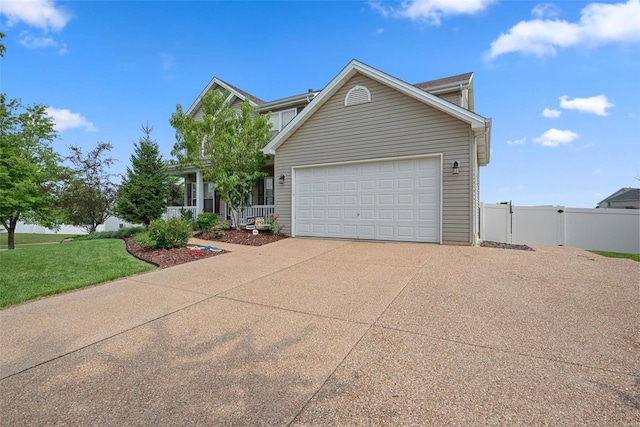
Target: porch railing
x=176 y=211
x=255 y=210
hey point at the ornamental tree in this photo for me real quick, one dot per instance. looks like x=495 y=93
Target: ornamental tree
x=226 y=145
x=144 y=191
x=89 y=195
x=30 y=170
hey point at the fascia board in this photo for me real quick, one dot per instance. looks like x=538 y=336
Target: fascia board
x=234 y=92
x=475 y=120
x=216 y=81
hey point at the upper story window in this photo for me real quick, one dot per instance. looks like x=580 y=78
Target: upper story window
x=279 y=119
x=357 y=95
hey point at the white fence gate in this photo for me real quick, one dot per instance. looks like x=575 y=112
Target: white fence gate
x=616 y=230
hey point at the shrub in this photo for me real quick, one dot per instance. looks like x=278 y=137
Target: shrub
x=274 y=225
x=172 y=233
x=217 y=231
x=116 y=234
x=143 y=239
x=186 y=215
x=206 y=221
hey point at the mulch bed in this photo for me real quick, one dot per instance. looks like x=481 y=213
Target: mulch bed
x=243 y=237
x=490 y=244
x=164 y=258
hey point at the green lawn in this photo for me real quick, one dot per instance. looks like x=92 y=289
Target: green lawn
x=36 y=271
x=635 y=257
x=24 y=239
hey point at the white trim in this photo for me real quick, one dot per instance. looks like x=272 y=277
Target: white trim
x=356 y=162
x=216 y=81
x=476 y=121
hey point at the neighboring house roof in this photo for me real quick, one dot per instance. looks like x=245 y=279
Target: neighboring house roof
x=446 y=83
x=626 y=194
x=480 y=125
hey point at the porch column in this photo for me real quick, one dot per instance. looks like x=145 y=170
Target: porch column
x=199 y=192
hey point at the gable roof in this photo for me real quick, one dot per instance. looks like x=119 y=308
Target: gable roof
x=452 y=82
x=624 y=195
x=239 y=93
x=480 y=125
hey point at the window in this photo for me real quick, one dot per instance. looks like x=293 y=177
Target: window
x=357 y=95
x=265 y=191
x=280 y=119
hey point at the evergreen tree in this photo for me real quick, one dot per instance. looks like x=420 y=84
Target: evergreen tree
x=144 y=190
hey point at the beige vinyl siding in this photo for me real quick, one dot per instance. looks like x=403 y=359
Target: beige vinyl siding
x=452 y=97
x=391 y=125
x=199 y=113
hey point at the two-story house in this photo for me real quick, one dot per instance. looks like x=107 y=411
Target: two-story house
x=367 y=157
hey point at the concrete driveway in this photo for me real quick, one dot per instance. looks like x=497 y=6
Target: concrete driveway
x=330 y=332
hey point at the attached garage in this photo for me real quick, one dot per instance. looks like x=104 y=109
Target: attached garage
x=397 y=200
x=372 y=157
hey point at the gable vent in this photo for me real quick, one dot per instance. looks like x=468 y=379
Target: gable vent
x=357 y=95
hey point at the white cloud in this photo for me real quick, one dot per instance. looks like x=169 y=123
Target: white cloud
x=551 y=114
x=34 y=42
x=554 y=137
x=43 y=14
x=600 y=23
x=519 y=141
x=595 y=105
x=379 y=30
x=431 y=11
x=545 y=10
x=65 y=119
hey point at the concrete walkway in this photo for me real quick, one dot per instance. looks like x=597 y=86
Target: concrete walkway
x=331 y=332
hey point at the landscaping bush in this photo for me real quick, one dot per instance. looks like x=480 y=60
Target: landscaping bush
x=116 y=234
x=173 y=233
x=187 y=216
x=274 y=225
x=206 y=221
x=217 y=231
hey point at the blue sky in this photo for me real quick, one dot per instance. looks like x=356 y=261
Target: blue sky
x=561 y=80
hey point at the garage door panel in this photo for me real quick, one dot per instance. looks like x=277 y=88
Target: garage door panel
x=368 y=199
x=368 y=185
x=334 y=186
x=391 y=200
x=350 y=185
x=406 y=199
x=334 y=200
x=367 y=214
x=386 y=199
x=350 y=200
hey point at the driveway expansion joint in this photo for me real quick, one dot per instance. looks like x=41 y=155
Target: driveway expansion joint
x=502 y=350
x=333 y=372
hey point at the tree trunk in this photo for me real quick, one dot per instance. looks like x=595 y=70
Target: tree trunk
x=11 y=232
x=236 y=220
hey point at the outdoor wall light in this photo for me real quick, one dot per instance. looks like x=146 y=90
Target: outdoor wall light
x=281 y=179
x=456 y=167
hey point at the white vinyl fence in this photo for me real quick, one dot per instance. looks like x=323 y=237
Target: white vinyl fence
x=616 y=230
x=22 y=227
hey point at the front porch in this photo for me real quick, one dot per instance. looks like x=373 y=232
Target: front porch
x=249 y=211
x=200 y=197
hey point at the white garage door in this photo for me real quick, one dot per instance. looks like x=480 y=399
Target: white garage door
x=389 y=200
